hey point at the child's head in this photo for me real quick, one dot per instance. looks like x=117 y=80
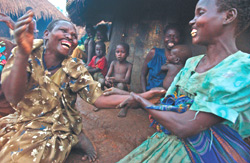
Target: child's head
x=90 y=30
x=179 y=54
x=122 y=51
x=101 y=32
x=100 y=49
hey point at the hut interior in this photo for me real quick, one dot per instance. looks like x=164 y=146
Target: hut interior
x=140 y=23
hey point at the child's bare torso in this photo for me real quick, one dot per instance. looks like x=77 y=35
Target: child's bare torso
x=120 y=69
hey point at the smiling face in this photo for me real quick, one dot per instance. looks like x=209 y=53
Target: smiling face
x=62 y=39
x=171 y=38
x=120 y=53
x=207 y=23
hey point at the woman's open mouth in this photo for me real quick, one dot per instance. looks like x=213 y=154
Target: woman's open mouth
x=194 y=32
x=66 y=44
x=171 y=44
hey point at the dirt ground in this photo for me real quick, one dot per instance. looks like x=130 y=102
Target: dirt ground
x=113 y=137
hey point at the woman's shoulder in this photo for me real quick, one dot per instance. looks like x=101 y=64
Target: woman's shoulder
x=193 y=61
x=237 y=61
x=242 y=57
x=74 y=67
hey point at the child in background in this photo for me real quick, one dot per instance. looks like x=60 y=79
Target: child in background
x=102 y=35
x=89 y=43
x=98 y=66
x=86 y=45
x=119 y=73
x=175 y=61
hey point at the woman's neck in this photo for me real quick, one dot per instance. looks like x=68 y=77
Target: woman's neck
x=220 y=50
x=216 y=53
x=51 y=59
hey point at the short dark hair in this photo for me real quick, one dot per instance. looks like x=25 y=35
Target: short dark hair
x=243 y=9
x=125 y=46
x=52 y=24
x=176 y=27
x=172 y=26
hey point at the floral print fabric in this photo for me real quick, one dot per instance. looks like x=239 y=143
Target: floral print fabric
x=46 y=124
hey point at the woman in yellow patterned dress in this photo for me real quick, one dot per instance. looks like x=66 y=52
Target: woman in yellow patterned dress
x=41 y=81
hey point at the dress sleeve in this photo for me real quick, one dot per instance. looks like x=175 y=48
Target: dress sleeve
x=81 y=81
x=224 y=92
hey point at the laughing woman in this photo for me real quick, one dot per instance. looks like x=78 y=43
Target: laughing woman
x=214 y=89
x=41 y=81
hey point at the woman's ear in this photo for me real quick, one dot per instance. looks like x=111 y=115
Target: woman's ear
x=231 y=15
x=46 y=34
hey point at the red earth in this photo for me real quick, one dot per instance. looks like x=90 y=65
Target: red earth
x=114 y=137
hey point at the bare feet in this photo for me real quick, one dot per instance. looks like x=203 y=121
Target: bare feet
x=123 y=112
x=86 y=148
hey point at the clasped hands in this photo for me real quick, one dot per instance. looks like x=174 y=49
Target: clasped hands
x=135 y=100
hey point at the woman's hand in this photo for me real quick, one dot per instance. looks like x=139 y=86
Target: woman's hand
x=23 y=32
x=133 y=101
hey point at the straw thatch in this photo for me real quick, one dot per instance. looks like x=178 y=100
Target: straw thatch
x=43 y=9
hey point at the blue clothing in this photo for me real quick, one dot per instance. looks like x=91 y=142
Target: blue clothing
x=155 y=76
x=223 y=91
x=220 y=143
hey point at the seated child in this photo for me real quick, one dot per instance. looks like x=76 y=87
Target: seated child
x=98 y=65
x=119 y=73
x=175 y=61
x=82 y=50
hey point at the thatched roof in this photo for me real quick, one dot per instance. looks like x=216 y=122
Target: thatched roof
x=92 y=11
x=42 y=8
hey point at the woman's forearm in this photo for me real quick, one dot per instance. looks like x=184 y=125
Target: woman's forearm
x=14 y=86
x=109 y=102
x=181 y=124
x=185 y=124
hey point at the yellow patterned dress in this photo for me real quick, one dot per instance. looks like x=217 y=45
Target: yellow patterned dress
x=46 y=124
